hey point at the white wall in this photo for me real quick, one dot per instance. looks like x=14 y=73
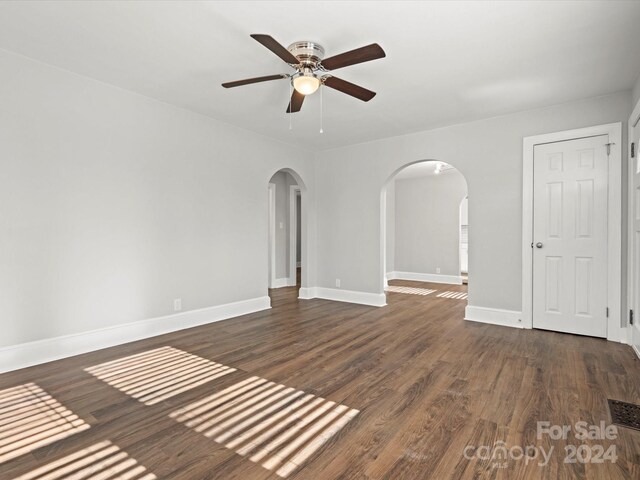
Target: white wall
x=390 y=219
x=489 y=155
x=427 y=223
x=113 y=204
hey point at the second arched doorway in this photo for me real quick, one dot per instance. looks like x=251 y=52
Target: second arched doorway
x=287 y=233
x=425 y=231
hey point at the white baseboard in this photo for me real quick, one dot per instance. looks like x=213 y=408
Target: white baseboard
x=307 y=293
x=635 y=349
x=350 y=296
x=47 y=350
x=425 y=277
x=494 y=316
x=280 y=282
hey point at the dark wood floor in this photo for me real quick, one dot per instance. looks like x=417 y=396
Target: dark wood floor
x=426 y=384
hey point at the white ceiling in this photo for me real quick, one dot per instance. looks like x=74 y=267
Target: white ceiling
x=447 y=62
x=424 y=169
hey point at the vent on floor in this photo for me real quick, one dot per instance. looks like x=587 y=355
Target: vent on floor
x=31 y=418
x=410 y=290
x=276 y=426
x=456 y=295
x=156 y=375
x=102 y=460
x=624 y=414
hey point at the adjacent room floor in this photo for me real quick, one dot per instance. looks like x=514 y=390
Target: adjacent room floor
x=320 y=390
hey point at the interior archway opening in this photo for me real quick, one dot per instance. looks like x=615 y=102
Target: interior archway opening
x=287 y=234
x=425 y=234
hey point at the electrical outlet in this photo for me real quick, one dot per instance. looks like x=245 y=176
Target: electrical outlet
x=337 y=282
x=437 y=269
x=281 y=225
x=177 y=305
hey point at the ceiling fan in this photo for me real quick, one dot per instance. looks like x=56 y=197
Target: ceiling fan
x=311 y=70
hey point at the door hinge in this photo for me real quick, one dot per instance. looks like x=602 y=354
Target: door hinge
x=607 y=312
x=633 y=150
x=608 y=145
x=630 y=317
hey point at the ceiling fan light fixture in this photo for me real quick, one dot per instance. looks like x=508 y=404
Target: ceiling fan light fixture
x=311 y=69
x=306 y=84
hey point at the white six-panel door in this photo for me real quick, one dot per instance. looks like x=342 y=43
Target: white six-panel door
x=570 y=236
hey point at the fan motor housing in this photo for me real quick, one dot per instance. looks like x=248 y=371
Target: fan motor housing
x=309 y=53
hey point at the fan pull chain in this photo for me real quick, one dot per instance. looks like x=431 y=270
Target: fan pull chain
x=321 y=130
x=290 y=114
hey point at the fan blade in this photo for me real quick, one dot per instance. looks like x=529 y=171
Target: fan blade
x=269 y=42
x=349 y=88
x=249 y=81
x=296 y=102
x=359 y=55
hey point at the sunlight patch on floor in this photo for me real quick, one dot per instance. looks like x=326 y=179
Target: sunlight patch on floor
x=103 y=460
x=455 y=295
x=409 y=290
x=31 y=418
x=155 y=375
x=276 y=426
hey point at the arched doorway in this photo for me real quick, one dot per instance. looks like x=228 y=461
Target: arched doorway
x=422 y=231
x=287 y=251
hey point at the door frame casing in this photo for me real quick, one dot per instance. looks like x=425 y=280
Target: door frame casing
x=634 y=119
x=460 y=235
x=272 y=235
x=294 y=191
x=615 y=332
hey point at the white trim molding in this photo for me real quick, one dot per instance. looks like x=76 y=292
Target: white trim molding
x=41 y=351
x=294 y=191
x=615 y=332
x=281 y=282
x=494 y=316
x=271 y=254
x=425 y=277
x=307 y=293
x=634 y=119
x=349 y=296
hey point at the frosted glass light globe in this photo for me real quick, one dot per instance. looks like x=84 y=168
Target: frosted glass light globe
x=306 y=84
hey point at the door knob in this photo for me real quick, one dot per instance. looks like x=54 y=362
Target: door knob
x=539 y=244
